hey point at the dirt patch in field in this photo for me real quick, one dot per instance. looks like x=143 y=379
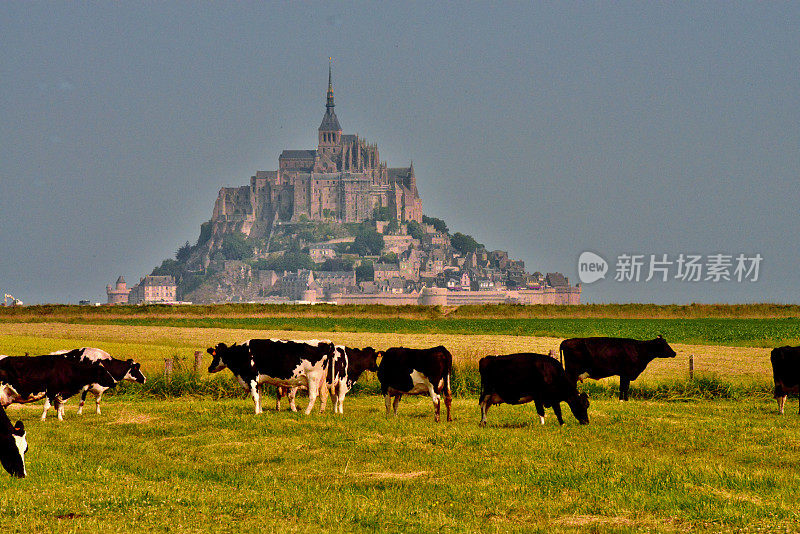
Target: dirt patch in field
x=127 y=418
x=585 y=520
x=394 y=476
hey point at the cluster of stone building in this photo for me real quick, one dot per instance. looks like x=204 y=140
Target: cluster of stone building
x=344 y=180
x=428 y=270
x=150 y=290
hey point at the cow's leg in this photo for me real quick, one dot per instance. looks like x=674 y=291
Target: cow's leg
x=59 y=406
x=83 y=401
x=292 y=397
x=557 y=411
x=437 y=401
x=485 y=405
x=313 y=390
x=342 y=391
x=323 y=396
x=97 y=397
x=256 y=396
x=781 y=403
x=448 y=400
x=387 y=400
x=278 y=393
x=539 y=410
x=46 y=407
x=396 y=402
x=624 y=384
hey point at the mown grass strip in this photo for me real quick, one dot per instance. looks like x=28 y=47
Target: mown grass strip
x=734 y=332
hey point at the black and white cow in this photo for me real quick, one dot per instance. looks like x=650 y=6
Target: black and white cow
x=118 y=369
x=601 y=357
x=405 y=371
x=13 y=445
x=526 y=377
x=276 y=362
x=345 y=368
x=785 y=373
x=25 y=379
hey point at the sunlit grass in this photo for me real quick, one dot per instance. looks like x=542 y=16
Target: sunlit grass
x=203 y=465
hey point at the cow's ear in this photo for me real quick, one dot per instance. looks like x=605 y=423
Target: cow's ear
x=660 y=336
x=19 y=428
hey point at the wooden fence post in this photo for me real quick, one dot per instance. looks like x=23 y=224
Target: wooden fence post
x=168 y=367
x=198 y=361
x=691 y=366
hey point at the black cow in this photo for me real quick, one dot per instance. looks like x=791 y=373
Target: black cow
x=405 y=371
x=346 y=367
x=601 y=357
x=13 y=445
x=118 y=369
x=26 y=379
x=785 y=373
x=277 y=362
x=526 y=377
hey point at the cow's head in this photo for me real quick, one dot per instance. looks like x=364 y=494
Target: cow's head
x=13 y=447
x=134 y=373
x=217 y=364
x=579 y=405
x=368 y=356
x=661 y=349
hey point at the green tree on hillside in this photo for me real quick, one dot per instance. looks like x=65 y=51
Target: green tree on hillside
x=236 y=247
x=365 y=272
x=464 y=243
x=438 y=224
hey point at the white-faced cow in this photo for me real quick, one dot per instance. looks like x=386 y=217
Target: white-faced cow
x=13 y=445
x=118 y=369
x=521 y=378
x=785 y=372
x=25 y=379
x=405 y=371
x=344 y=369
x=601 y=357
x=276 y=362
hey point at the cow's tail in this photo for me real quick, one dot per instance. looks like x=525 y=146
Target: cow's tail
x=561 y=355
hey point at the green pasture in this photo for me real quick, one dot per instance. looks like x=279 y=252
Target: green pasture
x=745 y=332
x=200 y=465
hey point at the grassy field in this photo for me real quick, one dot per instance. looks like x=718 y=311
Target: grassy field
x=684 y=456
x=746 y=326
x=192 y=465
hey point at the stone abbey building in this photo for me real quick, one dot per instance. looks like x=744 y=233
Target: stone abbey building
x=342 y=180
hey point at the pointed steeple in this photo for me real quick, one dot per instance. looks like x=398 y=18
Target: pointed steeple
x=329 y=122
x=330 y=103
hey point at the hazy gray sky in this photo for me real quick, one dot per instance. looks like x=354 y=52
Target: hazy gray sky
x=543 y=130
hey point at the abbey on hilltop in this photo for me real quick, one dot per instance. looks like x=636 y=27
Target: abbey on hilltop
x=343 y=180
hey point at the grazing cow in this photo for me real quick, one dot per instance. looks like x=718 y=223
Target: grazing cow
x=416 y=371
x=276 y=362
x=344 y=370
x=13 y=445
x=521 y=378
x=601 y=357
x=785 y=372
x=26 y=379
x=118 y=369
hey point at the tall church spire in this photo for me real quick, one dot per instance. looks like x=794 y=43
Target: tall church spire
x=330 y=131
x=330 y=104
